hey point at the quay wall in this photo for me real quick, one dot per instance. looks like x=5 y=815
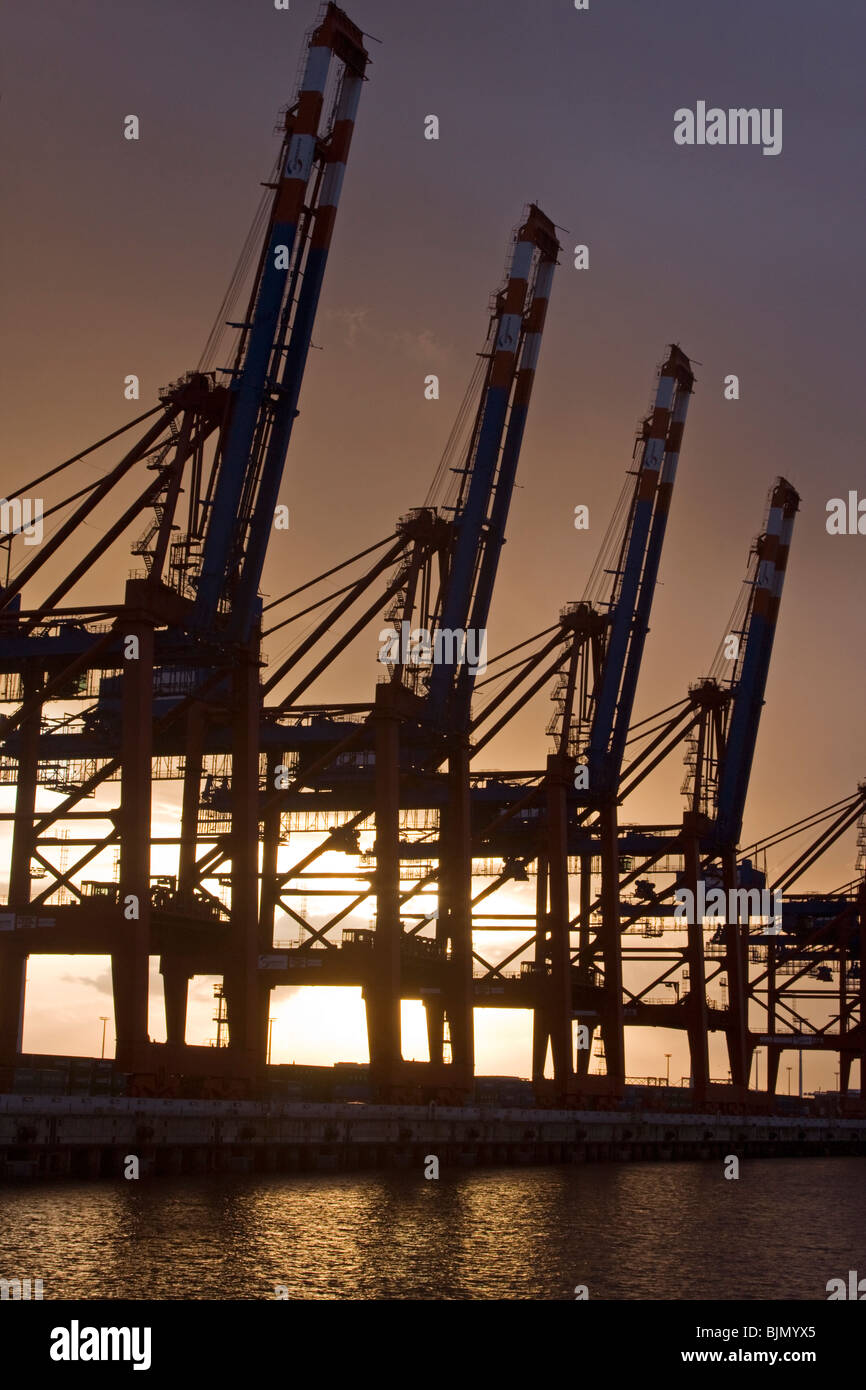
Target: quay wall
x=57 y=1137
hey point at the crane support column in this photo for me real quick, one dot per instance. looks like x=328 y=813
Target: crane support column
x=176 y=979
x=246 y=1016
x=457 y=885
x=540 y=1020
x=558 y=987
x=382 y=991
x=13 y=965
x=737 y=970
x=584 y=955
x=613 y=1022
x=696 y=1003
x=175 y=988
x=861 y=993
x=130 y=963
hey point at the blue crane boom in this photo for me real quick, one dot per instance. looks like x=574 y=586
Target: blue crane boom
x=252 y=450
x=637 y=572
x=480 y=520
x=771 y=559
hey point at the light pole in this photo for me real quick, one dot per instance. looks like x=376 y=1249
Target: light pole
x=271 y=1022
x=103 y=1019
x=668 y=1056
x=219 y=1017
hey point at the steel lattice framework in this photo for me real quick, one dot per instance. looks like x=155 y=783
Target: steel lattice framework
x=168 y=684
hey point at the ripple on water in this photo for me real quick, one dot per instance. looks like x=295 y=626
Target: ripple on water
x=633 y=1231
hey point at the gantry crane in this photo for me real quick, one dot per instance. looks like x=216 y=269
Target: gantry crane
x=166 y=683
x=180 y=659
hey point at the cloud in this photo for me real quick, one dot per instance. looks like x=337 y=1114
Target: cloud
x=201 y=988
x=101 y=983
x=418 y=346
x=354 y=322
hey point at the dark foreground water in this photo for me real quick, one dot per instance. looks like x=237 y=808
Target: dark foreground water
x=649 y=1230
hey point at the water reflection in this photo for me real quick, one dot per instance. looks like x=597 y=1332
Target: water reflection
x=651 y=1230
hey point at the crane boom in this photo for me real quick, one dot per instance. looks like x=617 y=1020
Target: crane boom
x=771 y=561
x=265 y=392
x=637 y=571
x=480 y=521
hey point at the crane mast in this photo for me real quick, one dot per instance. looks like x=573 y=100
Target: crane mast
x=479 y=523
x=771 y=562
x=265 y=391
x=637 y=571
